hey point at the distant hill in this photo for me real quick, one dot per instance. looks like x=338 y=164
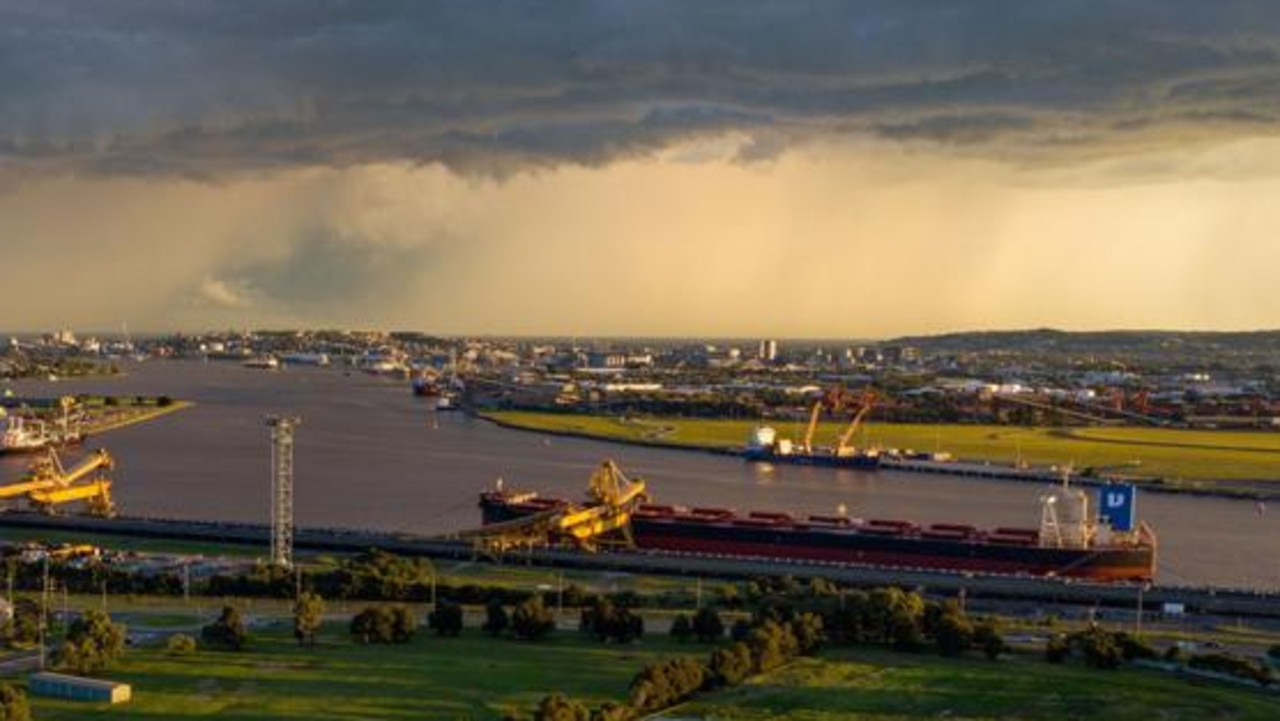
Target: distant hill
x=1183 y=346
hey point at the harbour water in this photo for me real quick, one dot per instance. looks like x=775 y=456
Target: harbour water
x=371 y=455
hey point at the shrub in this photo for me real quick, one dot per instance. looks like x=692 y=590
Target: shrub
x=1057 y=649
x=228 y=632
x=681 y=628
x=13 y=703
x=384 y=624
x=496 y=619
x=1233 y=665
x=180 y=644
x=557 y=707
x=532 y=620
x=446 y=619
x=707 y=625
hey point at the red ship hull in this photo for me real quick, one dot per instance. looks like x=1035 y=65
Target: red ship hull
x=902 y=544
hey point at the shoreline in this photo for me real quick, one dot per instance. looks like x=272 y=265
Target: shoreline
x=964 y=468
x=143 y=417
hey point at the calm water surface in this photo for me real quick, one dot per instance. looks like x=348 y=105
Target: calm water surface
x=370 y=455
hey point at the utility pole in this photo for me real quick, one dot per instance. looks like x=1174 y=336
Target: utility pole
x=44 y=608
x=282 y=489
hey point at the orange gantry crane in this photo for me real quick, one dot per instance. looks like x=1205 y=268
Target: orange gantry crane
x=48 y=485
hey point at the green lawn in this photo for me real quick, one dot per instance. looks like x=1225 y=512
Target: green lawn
x=473 y=677
x=879 y=685
x=1151 y=452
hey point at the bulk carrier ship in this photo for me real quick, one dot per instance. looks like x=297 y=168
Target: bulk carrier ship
x=1070 y=541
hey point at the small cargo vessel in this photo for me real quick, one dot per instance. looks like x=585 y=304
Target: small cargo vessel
x=765 y=445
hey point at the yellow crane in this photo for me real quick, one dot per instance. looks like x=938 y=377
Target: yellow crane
x=49 y=485
x=832 y=399
x=842 y=445
x=836 y=399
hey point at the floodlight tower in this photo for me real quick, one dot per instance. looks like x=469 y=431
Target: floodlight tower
x=282 y=489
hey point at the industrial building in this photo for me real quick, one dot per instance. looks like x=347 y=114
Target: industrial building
x=76 y=688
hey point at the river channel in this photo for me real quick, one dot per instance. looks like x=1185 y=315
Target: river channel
x=370 y=455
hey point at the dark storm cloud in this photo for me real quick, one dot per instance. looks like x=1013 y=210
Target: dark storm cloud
x=323 y=271
x=207 y=88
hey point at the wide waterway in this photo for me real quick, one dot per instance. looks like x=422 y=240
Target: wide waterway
x=369 y=455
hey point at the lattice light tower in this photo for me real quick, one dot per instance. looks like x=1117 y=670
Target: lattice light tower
x=282 y=489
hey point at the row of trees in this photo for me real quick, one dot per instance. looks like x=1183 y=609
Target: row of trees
x=765 y=645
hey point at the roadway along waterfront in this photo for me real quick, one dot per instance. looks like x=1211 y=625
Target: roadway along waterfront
x=369 y=455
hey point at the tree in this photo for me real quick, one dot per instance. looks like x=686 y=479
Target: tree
x=446 y=619
x=664 y=683
x=13 y=704
x=557 y=707
x=1099 y=648
x=308 y=612
x=403 y=624
x=180 y=644
x=93 y=642
x=808 y=631
x=681 y=628
x=24 y=628
x=707 y=625
x=228 y=632
x=952 y=633
x=986 y=636
x=605 y=621
x=532 y=620
x=496 y=620
x=384 y=624
x=731 y=666
x=771 y=645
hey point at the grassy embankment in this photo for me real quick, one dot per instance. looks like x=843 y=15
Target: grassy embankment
x=1175 y=455
x=873 y=684
x=473 y=676
x=104 y=418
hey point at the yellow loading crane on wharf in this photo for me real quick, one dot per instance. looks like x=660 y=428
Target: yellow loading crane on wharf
x=835 y=400
x=605 y=518
x=48 y=485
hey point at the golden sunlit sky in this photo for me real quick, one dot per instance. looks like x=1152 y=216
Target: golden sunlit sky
x=739 y=168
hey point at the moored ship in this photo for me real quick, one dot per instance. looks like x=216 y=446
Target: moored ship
x=1070 y=542
x=19 y=434
x=765 y=445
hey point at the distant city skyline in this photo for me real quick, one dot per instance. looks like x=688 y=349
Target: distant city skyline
x=746 y=169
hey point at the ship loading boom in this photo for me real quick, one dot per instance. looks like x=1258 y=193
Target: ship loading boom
x=48 y=485
x=603 y=519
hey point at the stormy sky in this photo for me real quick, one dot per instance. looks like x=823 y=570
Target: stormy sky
x=788 y=168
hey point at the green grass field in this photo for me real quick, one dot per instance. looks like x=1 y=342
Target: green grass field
x=470 y=677
x=869 y=684
x=1175 y=455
